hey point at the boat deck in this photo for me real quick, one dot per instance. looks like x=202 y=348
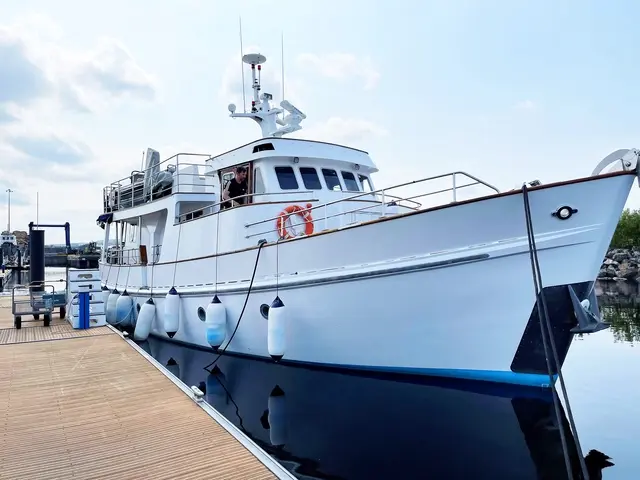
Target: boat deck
x=86 y=404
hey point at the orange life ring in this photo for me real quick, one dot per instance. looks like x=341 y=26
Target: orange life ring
x=287 y=212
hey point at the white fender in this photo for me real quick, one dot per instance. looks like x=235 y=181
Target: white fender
x=145 y=320
x=111 y=306
x=172 y=312
x=124 y=309
x=277 y=417
x=276 y=329
x=216 y=322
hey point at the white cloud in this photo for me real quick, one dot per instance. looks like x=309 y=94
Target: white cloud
x=37 y=67
x=43 y=83
x=341 y=66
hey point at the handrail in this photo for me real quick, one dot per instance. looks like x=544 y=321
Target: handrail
x=133 y=190
x=164 y=161
x=115 y=256
x=383 y=190
x=202 y=209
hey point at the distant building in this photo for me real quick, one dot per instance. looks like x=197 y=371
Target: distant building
x=22 y=238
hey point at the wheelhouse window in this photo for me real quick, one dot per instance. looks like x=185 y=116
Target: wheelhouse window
x=286 y=178
x=350 y=182
x=310 y=178
x=332 y=179
x=366 y=183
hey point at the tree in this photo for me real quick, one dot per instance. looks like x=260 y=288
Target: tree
x=627 y=234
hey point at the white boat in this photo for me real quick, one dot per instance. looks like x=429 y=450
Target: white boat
x=317 y=266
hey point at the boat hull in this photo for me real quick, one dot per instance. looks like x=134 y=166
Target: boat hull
x=459 y=303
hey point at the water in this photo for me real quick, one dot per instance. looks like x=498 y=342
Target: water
x=324 y=424
x=54 y=277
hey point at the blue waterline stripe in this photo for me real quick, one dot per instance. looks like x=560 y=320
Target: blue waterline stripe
x=495 y=376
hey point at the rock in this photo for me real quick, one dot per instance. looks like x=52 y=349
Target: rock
x=621 y=256
x=621 y=265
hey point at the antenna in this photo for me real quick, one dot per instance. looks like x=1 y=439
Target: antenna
x=244 y=102
x=282 y=54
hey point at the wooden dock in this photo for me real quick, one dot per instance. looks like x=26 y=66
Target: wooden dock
x=86 y=404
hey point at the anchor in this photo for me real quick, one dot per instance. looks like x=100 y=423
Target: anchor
x=587 y=312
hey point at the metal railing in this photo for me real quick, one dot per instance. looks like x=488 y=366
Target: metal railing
x=381 y=201
x=131 y=256
x=232 y=203
x=186 y=177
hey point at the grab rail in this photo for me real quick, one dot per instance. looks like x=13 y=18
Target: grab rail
x=383 y=191
x=210 y=209
x=133 y=186
x=116 y=256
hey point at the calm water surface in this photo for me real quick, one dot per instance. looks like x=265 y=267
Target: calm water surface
x=323 y=424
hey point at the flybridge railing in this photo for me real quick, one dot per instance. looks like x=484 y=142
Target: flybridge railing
x=185 y=177
x=383 y=204
x=133 y=256
x=218 y=206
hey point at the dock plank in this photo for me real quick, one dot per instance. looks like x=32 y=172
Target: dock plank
x=94 y=408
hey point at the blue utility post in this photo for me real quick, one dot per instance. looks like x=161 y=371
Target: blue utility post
x=83 y=306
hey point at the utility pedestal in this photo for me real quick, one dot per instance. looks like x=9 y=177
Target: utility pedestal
x=83 y=306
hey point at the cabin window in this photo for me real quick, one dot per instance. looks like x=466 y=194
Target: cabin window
x=263 y=147
x=331 y=177
x=258 y=183
x=350 y=182
x=366 y=183
x=310 y=178
x=286 y=178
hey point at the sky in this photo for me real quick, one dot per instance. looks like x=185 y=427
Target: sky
x=509 y=91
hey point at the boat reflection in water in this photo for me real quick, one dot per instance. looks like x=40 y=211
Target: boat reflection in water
x=330 y=425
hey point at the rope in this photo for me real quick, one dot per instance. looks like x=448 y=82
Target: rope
x=540 y=299
x=215 y=286
x=126 y=284
x=175 y=265
x=246 y=299
x=118 y=274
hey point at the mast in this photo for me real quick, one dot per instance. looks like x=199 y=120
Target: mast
x=261 y=110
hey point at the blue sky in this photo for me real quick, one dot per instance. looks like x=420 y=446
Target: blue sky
x=507 y=90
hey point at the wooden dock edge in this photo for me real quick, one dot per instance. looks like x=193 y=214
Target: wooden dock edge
x=276 y=468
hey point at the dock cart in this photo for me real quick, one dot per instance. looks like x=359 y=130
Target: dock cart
x=35 y=300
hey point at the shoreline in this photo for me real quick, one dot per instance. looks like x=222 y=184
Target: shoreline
x=621 y=265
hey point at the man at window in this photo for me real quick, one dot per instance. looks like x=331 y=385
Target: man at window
x=236 y=188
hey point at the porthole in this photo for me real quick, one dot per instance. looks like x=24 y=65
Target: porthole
x=202 y=315
x=264 y=311
x=564 y=213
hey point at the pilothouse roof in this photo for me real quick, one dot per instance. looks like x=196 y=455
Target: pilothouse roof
x=293 y=147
